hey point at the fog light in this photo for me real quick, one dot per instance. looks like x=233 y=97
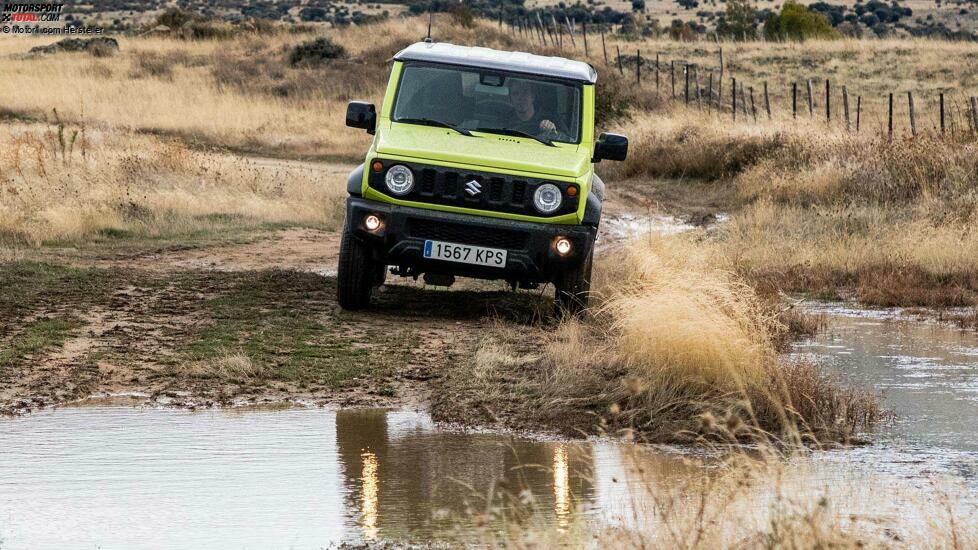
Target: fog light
x=563 y=246
x=372 y=222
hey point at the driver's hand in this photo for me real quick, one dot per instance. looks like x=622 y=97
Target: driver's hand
x=547 y=126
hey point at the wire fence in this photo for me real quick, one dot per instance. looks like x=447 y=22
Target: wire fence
x=953 y=114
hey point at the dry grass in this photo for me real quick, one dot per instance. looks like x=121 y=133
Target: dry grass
x=692 y=351
x=234 y=367
x=71 y=184
x=828 y=212
x=763 y=502
x=240 y=93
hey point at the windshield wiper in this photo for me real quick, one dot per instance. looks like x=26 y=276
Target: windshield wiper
x=510 y=132
x=433 y=122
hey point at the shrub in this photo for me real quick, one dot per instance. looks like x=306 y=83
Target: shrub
x=796 y=22
x=463 y=15
x=739 y=22
x=175 y=18
x=315 y=52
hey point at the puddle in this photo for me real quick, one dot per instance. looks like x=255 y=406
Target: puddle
x=927 y=371
x=617 y=228
x=127 y=477
x=113 y=477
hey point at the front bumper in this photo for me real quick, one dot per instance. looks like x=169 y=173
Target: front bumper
x=530 y=253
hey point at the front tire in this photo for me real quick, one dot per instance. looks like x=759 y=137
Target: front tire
x=572 y=287
x=356 y=275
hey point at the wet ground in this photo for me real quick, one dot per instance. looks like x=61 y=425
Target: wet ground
x=305 y=478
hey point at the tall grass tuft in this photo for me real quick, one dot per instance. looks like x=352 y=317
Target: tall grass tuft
x=681 y=349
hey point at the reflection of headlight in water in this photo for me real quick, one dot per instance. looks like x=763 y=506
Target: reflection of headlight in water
x=371 y=486
x=561 y=486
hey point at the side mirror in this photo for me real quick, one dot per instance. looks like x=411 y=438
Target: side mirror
x=610 y=147
x=360 y=114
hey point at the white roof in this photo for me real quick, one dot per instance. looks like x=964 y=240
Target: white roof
x=487 y=58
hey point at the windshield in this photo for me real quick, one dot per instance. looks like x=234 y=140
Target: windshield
x=486 y=101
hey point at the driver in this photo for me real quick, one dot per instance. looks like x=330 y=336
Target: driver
x=528 y=118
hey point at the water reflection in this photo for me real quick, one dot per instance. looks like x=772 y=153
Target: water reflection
x=928 y=372
x=405 y=478
x=562 y=504
x=369 y=504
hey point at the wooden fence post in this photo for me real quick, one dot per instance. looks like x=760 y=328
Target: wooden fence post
x=974 y=113
x=657 y=74
x=686 y=89
x=811 y=104
x=709 y=101
x=557 y=32
x=913 y=115
x=942 y=113
x=720 y=82
x=859 y=105
x=767 y=101
x=733 y=102
x=828 y=103
x=696 y=83
x=672 y=77
x=570 y=31
x=794 y=100
x=845 y=106
x=889 y=132
x=618 y=51
x=743 y=99
x=604 y=48
x=753 y=108
x=587 y=54
x=638 y=66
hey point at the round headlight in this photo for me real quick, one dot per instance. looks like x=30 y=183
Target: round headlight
x=399 y=179
x=547 y=198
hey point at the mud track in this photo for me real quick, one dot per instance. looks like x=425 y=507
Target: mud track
x=242 y=319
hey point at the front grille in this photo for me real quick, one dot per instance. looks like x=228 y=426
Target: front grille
x=464 y=234
x=497 y=192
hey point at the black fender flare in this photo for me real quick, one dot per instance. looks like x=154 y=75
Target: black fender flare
x=595 y=200
x=354 y=182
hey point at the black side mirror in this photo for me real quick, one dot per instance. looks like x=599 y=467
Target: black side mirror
x=360 y=114
x=610 y=147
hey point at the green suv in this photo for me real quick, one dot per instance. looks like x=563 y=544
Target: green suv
x=482 y=165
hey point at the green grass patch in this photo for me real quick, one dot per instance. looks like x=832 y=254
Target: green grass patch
x=277 y=320
x=26 y=283
x=36 y=337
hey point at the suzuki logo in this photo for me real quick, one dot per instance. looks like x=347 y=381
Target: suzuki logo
x=473 y=188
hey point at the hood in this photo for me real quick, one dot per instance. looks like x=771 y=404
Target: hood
x=487 y=151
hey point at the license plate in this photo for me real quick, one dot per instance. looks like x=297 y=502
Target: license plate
x=465 y=254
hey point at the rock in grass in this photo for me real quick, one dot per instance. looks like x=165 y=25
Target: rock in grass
x=99 y=47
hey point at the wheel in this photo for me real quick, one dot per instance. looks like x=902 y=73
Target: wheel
x=572 y=288
x=381 y=274
x=356 y=275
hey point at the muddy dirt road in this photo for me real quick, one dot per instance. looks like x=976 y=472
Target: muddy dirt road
x=248 y=316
